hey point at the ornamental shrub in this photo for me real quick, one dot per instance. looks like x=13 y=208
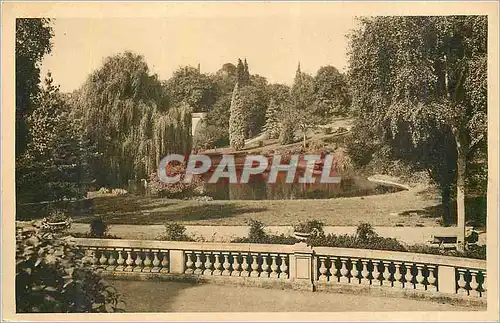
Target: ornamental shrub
x=50 y=278
x=174 y=232
x=178 y=189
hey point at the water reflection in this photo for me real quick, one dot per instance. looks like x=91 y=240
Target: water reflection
x=259 y=189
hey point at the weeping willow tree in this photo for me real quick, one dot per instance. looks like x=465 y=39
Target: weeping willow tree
x=128 y=117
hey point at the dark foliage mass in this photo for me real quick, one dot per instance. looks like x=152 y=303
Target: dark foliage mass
x=51 y=278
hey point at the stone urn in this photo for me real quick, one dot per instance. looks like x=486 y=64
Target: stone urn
x=304 y=229
x=56 y=226
x=302 y=236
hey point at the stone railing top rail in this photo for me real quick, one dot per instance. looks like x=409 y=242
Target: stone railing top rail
x=276 y=248
x=398 y=256
x=186 y=245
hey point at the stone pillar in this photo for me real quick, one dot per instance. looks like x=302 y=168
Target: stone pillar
x=177 y=261
x=196 y=119
x=302 y=270
x=446 y=280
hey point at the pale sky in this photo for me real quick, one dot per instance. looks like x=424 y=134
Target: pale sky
x=273 y=45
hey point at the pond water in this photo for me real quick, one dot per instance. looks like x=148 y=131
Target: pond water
x=259 y=189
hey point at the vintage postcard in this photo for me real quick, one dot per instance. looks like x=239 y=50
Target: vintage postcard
x=250 y=161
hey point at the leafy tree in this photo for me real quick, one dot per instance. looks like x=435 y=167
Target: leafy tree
x=225 y=79
x=55 y=164
x=246 y=73
x=280 y=93
x=288 y=126
x=51 y=278
x=302 y=97
x=127 y=115
x=419 y=78
x=331 y=93
x=190 y=86
x=273 y=126
x=208 y=136
x=254 y=100
x=237 y=120
x=240 y=73
x=33 y=41
x=302 y=92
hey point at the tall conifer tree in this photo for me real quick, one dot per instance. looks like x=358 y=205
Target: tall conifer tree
x=236 y=120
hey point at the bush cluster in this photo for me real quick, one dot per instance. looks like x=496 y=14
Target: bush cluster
x=178 y=189
x=174 y=232
x=256 y=234
x=51 y=278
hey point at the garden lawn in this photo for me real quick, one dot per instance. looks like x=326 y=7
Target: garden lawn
x=406 y=208
x=153 y=296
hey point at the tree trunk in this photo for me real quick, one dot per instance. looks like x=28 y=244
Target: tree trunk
x=461 y=198
x=445 y=200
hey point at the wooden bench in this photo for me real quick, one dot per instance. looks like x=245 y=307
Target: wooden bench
x=445 y=242
x=449 y=242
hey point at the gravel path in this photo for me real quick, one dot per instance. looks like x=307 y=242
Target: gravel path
x=144 y=296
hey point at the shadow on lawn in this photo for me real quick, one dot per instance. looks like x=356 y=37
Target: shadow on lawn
x=188 y=213
x=201 y=212
x=475 y=212
x=123 y=204
x=149 y=302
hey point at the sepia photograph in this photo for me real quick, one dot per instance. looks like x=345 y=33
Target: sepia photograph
x=241 y=161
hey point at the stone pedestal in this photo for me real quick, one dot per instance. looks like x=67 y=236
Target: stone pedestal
x=177 y=261
x=302 y=266
x=446 y=280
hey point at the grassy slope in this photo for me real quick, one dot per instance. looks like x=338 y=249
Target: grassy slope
x=408 y=208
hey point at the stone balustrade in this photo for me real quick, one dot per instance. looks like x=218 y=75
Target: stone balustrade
x=401 y=270
x=298 y=265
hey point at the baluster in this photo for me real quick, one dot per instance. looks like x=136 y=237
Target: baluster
x=344 y=272
x=120 y=261
x=111 y=261
x=198 y=264
x=93 y=258
x=254 y=266
x=354 y=272
x=138 y=261
x=420 y=278
x=147 y=262
x=408 y=281
x=283 y=268
x=129 y=261
x=398 y=277
x=365 y=273
x=244 y=267
x=156 y=262
x=217 y=265
x=323 y=271
x=386 y=275
x=189 y=263
x=86 y=256
x=431 y=278
x=274 y=267
x=236 y=266
x=226 y=265
x=473 y=283
x=208 y=265
x=462 y=282
x=376 y=273
x=265 y=267
x=103 y=260
x=164 y=261
x=484 y=286
x=334 y=270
